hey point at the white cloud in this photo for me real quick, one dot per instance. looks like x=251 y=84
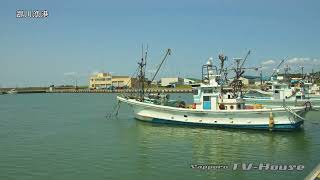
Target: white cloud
x=304 y=61
x=69 y=73
x=268 y=62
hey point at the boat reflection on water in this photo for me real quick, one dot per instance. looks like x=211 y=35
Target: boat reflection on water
x=221 y=145
x=184 y=146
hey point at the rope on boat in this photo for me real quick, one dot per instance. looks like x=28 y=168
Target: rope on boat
x=115 y=111
x=289 y=110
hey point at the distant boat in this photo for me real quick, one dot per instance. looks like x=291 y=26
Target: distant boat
x=282 y=91
x=12 y=91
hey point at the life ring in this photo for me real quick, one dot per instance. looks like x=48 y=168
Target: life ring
x=221 y=107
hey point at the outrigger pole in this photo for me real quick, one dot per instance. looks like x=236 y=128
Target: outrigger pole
x=164 y=58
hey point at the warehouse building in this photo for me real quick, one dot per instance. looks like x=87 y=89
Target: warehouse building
x=108 y=81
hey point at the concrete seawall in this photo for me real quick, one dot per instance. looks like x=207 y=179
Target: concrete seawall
x=46 y=90
x=122 y=91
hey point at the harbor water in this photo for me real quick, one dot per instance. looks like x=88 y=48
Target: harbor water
x=67 y=136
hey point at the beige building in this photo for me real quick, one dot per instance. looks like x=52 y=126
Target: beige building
x=107 y=81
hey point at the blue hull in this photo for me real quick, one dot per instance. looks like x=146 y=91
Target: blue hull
x=282 y=127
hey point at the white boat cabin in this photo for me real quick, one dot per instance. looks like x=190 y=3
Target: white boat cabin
x=286 y=91
x=208 y=97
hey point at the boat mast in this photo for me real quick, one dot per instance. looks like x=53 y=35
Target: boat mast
x=239 y=70
x=222 y=58
x=141 y=76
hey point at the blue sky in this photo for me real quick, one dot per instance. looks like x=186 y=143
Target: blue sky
x=80 y=38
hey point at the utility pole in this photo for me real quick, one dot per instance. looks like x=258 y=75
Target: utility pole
x=312 y=76
x=261 y=77
x=302 y=71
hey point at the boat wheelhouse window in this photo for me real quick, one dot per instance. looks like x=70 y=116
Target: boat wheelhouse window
x=207 y=90
x=239 y=106
x=195 y=92
x=206 y=98
x=277 y=87
x=276 y=91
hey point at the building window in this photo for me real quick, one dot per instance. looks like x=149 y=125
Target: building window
x=195 y=92
x=207 y=90
x=206 y=98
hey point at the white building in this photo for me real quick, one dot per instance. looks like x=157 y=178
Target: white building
x=187 y=81
x=171 y=81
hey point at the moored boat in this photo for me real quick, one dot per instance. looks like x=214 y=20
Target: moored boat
x=12 y=91
x=216 y=106
x=292 y=94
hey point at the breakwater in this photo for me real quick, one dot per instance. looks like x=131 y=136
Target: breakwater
x=121 y=91
x=46 y=90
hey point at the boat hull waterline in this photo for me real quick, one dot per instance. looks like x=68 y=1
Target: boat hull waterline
x=244 y=119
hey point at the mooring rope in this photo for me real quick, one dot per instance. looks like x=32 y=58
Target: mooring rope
x=114 y=111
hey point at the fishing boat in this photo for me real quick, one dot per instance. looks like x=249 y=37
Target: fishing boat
x=213 y=106
x=12 y=91
x=294 y=93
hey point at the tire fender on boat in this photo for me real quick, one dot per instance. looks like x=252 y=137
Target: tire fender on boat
x=308 y=106
x=221 y=107
x=271 y=120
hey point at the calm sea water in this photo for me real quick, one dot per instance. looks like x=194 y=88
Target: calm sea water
x=66 y=136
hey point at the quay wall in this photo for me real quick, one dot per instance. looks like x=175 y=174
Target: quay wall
x=123 y=91
x=47 y=90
